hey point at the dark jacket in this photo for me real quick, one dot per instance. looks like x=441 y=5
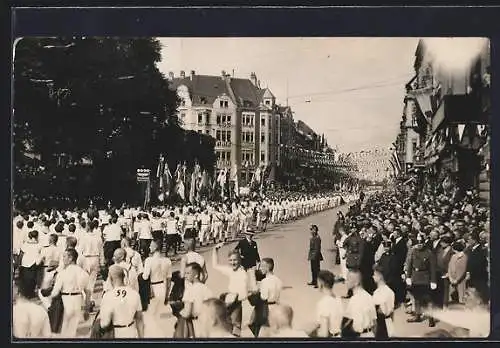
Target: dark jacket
x=315 y=249
x=354 y=246
x=443 y=259
x=249 y=253
x=477 y=267
x=400 y=252
x=422 y=266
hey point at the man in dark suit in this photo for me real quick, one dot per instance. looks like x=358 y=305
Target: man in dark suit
x=443 y=256
x=314 y=256
x=399 y=251
x=248 y=250
x=477 y=267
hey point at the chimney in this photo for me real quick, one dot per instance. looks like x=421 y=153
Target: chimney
x=183 y=74
x=253 y=78
x=192 y=74
x=170 y=75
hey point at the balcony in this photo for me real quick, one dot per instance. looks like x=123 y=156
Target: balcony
x=220 y=143
x=224 y=124
x=223 y=163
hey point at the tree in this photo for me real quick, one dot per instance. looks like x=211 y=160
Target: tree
x=101 y=98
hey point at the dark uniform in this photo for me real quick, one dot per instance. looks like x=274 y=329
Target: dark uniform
x=249 y=253
x=315 y=257
x=354 y=246
x=421 y=269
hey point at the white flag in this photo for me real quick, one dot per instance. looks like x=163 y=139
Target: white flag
x=461 y=128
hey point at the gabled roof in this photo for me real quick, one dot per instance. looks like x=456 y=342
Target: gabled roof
x=202 y=86
x=267 y=94
x=246 y=93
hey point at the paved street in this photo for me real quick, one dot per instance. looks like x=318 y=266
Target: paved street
x=287 y=244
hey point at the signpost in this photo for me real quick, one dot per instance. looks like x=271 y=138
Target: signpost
x=143 y=176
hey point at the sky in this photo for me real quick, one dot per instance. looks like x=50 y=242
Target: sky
x=350 y=89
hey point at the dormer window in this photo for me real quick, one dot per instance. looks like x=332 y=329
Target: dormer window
x=268 y=102
x=224 y=104
x=203 y=100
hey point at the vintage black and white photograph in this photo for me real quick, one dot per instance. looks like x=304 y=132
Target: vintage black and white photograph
x=249 y=188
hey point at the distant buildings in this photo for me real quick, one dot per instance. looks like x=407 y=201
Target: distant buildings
x=250 y=128
x=238 y=113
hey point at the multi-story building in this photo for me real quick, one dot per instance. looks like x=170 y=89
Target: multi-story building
x=238 y=113
x=370 y=165
x=451 y=115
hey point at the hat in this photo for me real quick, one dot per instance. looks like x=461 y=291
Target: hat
x=249 y=231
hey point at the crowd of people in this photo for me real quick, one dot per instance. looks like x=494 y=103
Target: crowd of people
x=426 y=253
x=431 y=252
x=59 y=255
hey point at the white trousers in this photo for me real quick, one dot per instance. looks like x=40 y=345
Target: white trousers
x=72 y=315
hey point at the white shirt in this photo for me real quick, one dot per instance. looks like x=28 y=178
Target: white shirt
x=171 y=226
x=238 y=280
x=158 y=267
x=383 y=296
x=51 y=255
x=90 y=244
x=30 y=320
x=289 y=333
x=71 y=279
x=145 y=230
x=361 y=309
x=196 y=293
x=156 y=224
x=119 y=306
x=31 y=254
x=330 y=307
x=134 y=258
x=112 y=233
x=270 y=288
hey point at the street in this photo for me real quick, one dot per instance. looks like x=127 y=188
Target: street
x=288 y=245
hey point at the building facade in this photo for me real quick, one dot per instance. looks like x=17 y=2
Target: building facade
x=238 y=113
x=449 y=112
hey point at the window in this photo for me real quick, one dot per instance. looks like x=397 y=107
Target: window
x=228 y=136
x=262 y=157
x=251 y=137
x=228 y=119
x=263 y=121
x=218 y=137
x=207 y=132
x=221 y=103
x=218 y=118
x=228 y=156
x=218 y=155
x=183 y=102
x=223 y=119
x=203 y=100
x=200 y=118
x=262 y=138
x=268 y=102
x=226 y=104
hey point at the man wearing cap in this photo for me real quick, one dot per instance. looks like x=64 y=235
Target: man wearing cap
x=354 y=246
x=421 y=277
x=314 y=256
x=248 y=250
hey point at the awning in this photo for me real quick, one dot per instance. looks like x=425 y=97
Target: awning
x=459 y=109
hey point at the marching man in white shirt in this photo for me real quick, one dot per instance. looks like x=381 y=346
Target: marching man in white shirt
x=384 y=300
x=329 y=308
x=194 y=295
x=237 y=287
x=121 y=307
x=159 y=269
x=29 y=320
x=72 y=283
